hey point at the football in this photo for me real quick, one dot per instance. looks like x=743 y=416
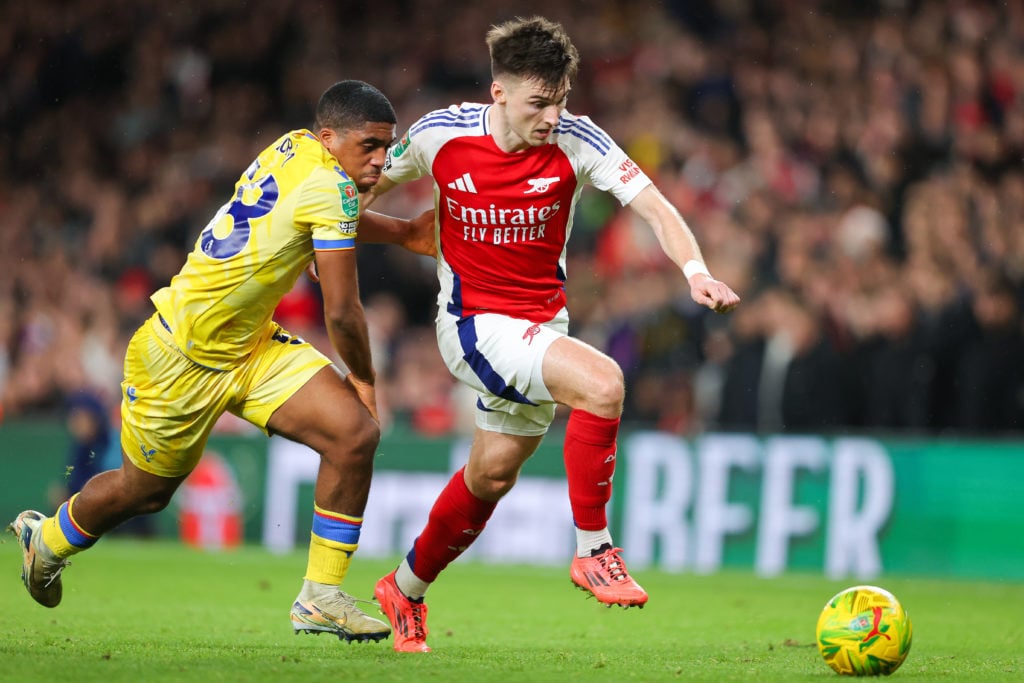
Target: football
x=864 y=631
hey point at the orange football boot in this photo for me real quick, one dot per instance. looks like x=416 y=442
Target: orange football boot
x=408 y=619
x=605 y=576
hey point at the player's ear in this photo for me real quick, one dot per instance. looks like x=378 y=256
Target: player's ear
x=498 y=93
x=326 y=136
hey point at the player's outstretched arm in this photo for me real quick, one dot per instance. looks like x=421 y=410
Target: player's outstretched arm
x=415 y=234
x=680 y=245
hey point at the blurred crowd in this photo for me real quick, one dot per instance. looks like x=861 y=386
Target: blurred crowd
x=854 y=170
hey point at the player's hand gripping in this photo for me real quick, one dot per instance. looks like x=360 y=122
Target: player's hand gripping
x=420 y=238
x=367 y=394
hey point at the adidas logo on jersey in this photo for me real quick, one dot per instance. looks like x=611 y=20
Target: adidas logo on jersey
x=465 y=183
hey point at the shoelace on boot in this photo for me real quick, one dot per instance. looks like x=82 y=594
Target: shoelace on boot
x=339 y=599
x=57 y=568
x=417 y=621
x=613 y=564
x=50 y=578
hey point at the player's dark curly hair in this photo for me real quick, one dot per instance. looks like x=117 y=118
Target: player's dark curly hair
x=533 y=48
x=351 y=104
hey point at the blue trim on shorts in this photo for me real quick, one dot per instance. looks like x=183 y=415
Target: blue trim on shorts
x=494 y=382
x=455 y=305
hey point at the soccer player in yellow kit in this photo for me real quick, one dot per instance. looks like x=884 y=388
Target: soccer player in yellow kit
x=212 y=347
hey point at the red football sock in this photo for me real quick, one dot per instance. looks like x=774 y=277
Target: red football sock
x=455 y=521
x=589 y=465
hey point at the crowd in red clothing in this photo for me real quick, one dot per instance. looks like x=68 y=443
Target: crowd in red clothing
x=854 y=170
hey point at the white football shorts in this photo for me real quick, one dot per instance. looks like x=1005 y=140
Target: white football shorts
x=501 y=358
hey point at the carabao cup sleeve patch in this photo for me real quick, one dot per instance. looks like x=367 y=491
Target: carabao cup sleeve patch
x=349 y=198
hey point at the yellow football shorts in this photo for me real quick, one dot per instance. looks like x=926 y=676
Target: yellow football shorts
x=169 y=404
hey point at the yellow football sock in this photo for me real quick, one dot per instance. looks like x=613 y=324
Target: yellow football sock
x=328 y=560
x=334 y=538
x=62 y=535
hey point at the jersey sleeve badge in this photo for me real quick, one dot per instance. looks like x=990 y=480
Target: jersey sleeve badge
x=349 y=198
x=400 y=148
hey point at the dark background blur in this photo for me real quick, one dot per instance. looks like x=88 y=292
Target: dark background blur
x=855 y=170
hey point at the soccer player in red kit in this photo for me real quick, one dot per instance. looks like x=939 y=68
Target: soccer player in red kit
x=507 y=176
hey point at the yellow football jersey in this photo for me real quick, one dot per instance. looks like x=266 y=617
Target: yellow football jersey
x=292 y=199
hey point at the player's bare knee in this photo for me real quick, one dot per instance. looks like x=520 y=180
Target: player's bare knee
x=606 y=391
x=367 y=437
x=357 y=446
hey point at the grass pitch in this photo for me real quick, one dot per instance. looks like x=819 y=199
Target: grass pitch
x=157 y=611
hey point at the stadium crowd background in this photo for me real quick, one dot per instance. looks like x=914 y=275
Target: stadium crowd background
x=855 y=170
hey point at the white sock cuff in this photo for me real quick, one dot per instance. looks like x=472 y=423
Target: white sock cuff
x=413 y=586
x=587 y=541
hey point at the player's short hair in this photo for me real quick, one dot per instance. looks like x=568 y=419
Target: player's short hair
x=533 y=48
x=351 y=104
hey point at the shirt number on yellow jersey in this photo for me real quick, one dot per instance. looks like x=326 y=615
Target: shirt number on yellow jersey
x=252 y=200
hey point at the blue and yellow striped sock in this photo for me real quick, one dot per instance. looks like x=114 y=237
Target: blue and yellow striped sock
x=333 y=540
x=63 y=535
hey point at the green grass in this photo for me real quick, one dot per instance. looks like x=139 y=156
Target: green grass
x=138 y=611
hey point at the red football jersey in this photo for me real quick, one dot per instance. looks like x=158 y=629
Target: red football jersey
x=504 y=219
